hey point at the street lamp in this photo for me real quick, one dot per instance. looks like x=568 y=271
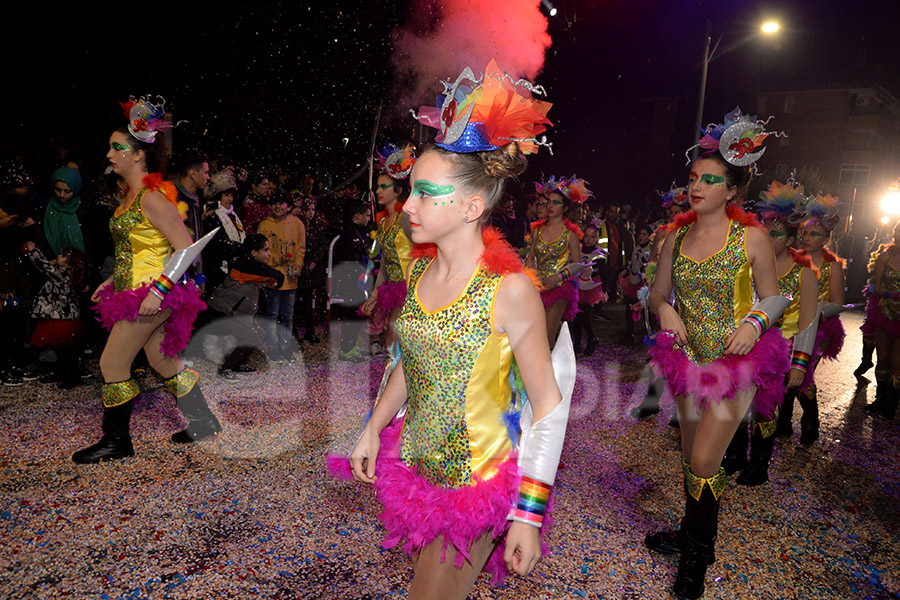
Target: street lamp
x=769 y=28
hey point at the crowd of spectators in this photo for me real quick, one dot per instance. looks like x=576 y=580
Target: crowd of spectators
x=55 y=247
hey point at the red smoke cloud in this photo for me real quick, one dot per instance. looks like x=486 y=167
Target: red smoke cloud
x=441 y=37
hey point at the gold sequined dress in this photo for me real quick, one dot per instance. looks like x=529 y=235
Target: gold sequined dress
x=550 y=258
x=712 y=296
x=141 y=253
x=830 y=335
x=395 y=254
x=449 y=470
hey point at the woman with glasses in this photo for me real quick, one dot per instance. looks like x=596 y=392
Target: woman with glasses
x=555 y=243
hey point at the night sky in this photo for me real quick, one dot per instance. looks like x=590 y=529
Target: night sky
x=284 y=83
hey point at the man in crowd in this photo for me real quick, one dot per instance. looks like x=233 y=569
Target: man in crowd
x=349 y=283
x=192 y=174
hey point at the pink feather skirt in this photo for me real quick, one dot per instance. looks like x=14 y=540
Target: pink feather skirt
x=765 y=366
x=390 y=296
x=568 y=292
x=184 y=300
x=876 y=321
x=415 y=512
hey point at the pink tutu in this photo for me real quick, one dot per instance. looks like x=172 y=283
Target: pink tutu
x=876 y=321
x=765 y=366
x=568 y=292
x=416 y=512
x=184 y=300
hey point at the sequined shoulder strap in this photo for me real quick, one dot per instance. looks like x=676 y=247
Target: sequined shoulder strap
x=415 y=272
x=679 y=239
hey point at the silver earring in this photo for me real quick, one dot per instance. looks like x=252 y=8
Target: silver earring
x=466 y=219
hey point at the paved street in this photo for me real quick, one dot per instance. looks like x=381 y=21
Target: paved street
x=252 y=513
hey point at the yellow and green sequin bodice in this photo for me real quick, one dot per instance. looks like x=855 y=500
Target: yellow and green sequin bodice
x=395 y=249
x=141 y=250
x=713 y=295
x=825 y=280
x=551 y=257
x=457 y=378
x=789 y=285
x=890 y=281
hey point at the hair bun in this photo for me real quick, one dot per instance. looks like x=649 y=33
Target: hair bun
x=504 y=163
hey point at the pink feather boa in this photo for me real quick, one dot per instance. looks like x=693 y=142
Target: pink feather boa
x=568 y=292
x=416 y=512
x=765 y=366
x=876 y=321
x=184 y=300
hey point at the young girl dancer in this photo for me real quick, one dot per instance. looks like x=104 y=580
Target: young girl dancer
x=555 y=243
x=715 y=351
x=447 y=475
x=144 y=303
x=383 y=306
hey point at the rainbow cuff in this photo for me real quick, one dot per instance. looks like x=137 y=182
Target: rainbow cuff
x=565 y=274
x=759 y=320
x=162 y=286
x=800 y=360
x=533 y=498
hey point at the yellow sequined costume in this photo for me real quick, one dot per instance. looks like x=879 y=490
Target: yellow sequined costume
x=450 y=473
x=395 y=254
x=712 y=296
x=141 y=252
x=550 y=258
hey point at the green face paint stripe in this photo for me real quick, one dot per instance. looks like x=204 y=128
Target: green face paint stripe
x=432 y=189
x=713 y=179
x=122 y=147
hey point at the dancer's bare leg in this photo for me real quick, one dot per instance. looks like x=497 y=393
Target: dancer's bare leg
x=436 y=580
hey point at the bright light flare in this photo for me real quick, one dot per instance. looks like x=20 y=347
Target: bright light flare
x=770 y=27
x=885 y=220
x=553 y=12
x=890 y=204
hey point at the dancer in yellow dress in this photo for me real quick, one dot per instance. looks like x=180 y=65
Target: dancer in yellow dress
x=145 y=304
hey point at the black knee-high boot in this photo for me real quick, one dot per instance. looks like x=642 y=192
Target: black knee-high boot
x=116 y=440
x=670 y=541
x=809 y=421
x=761 y=442
x=786 y=415
x=736 y=454
x=882 y=392
x=868 y=348
x=700 y=525
x=202 y=423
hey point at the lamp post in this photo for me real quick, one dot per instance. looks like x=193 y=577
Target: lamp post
x=769 y=28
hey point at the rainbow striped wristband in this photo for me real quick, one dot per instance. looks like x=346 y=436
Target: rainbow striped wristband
x=759 y=320
x=533 y=498
x=162 y=286
x=800 y=360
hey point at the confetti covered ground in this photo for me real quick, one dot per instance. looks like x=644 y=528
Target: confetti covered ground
x=251 y=513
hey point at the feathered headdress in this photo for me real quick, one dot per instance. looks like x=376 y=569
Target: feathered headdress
x=823 y=210
x=573 y=188
x=785 y=202
x=146 y=119
x=220 y=182
x=675 y=196
x=396 y=162
x=486 y=113
x=739 y=139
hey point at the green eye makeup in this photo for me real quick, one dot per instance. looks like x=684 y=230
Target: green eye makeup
x=385 y=186
x=120 y=147
x=777 y=234
x=712 y=179
x=557 y=202
x=816 y=234
x=428 y=189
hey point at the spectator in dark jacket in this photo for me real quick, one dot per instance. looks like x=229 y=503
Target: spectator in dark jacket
x=350 y=279
x=234 y=303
